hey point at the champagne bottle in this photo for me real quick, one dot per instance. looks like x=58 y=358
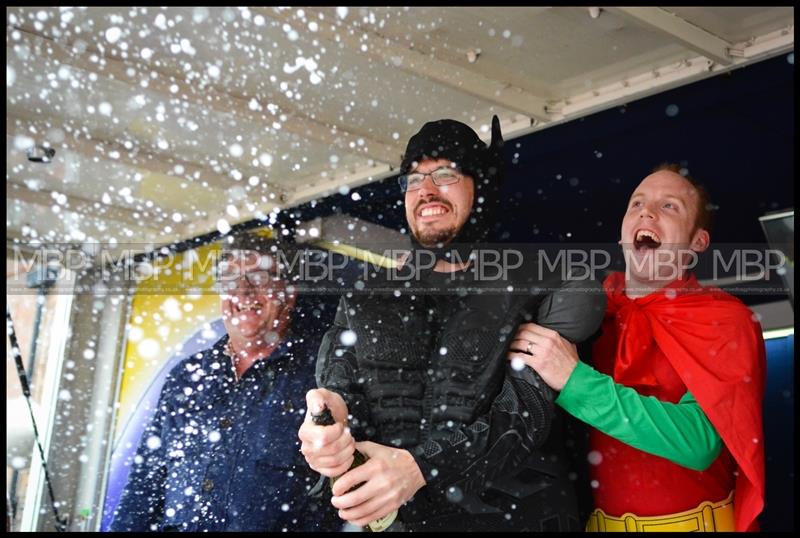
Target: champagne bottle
x=389 y=522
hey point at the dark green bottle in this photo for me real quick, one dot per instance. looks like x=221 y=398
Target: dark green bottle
x=389 y=522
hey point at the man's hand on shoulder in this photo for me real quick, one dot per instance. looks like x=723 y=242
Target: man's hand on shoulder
x=544 y=350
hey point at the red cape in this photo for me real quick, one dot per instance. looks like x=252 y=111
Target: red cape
x=715 y=345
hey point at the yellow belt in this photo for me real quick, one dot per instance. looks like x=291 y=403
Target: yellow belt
x=708 y=517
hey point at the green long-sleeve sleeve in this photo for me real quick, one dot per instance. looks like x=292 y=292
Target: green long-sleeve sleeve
x=679 y=432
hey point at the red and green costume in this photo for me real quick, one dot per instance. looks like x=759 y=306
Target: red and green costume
x=675 y=402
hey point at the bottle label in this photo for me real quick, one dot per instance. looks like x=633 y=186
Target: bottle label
x=381 y=524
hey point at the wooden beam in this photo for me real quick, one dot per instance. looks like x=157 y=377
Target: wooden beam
x=766 y=45
x=687 y=34
x=636 y=87
x=78 y=204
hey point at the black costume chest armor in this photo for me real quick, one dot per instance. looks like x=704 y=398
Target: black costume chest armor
x=435 y=356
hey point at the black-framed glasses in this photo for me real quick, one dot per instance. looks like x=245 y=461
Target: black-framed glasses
x=445 y=175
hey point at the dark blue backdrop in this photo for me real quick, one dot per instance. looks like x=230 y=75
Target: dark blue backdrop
x=779 y=436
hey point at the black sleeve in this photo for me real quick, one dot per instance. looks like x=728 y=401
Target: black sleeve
x=521 y=415
x=517 y=422
x=337 y=371
x=575 y=310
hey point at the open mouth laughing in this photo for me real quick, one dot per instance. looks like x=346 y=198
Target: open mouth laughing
x=242 y=307
x=646 y=240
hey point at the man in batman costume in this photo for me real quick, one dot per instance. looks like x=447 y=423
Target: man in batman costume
x=417 y=379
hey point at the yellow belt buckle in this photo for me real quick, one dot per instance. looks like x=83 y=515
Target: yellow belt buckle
x=708 y=517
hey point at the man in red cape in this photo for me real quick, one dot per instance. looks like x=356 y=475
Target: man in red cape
x=675 y=400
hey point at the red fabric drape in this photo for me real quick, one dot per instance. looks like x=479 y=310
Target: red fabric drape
x=714 y=344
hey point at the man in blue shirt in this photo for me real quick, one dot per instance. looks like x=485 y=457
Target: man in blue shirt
x=221 y=452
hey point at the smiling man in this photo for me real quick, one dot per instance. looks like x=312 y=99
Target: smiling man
x=438 y=208
x=456 y=438
x=675 y=400
x=221 y=453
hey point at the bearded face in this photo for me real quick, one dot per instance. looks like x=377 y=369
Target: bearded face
x=435 y=213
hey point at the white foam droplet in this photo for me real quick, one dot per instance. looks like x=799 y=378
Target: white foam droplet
x=594 y=457
x=348 y=338
x=113 y=34
x=517 y=364
x=148 y=348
